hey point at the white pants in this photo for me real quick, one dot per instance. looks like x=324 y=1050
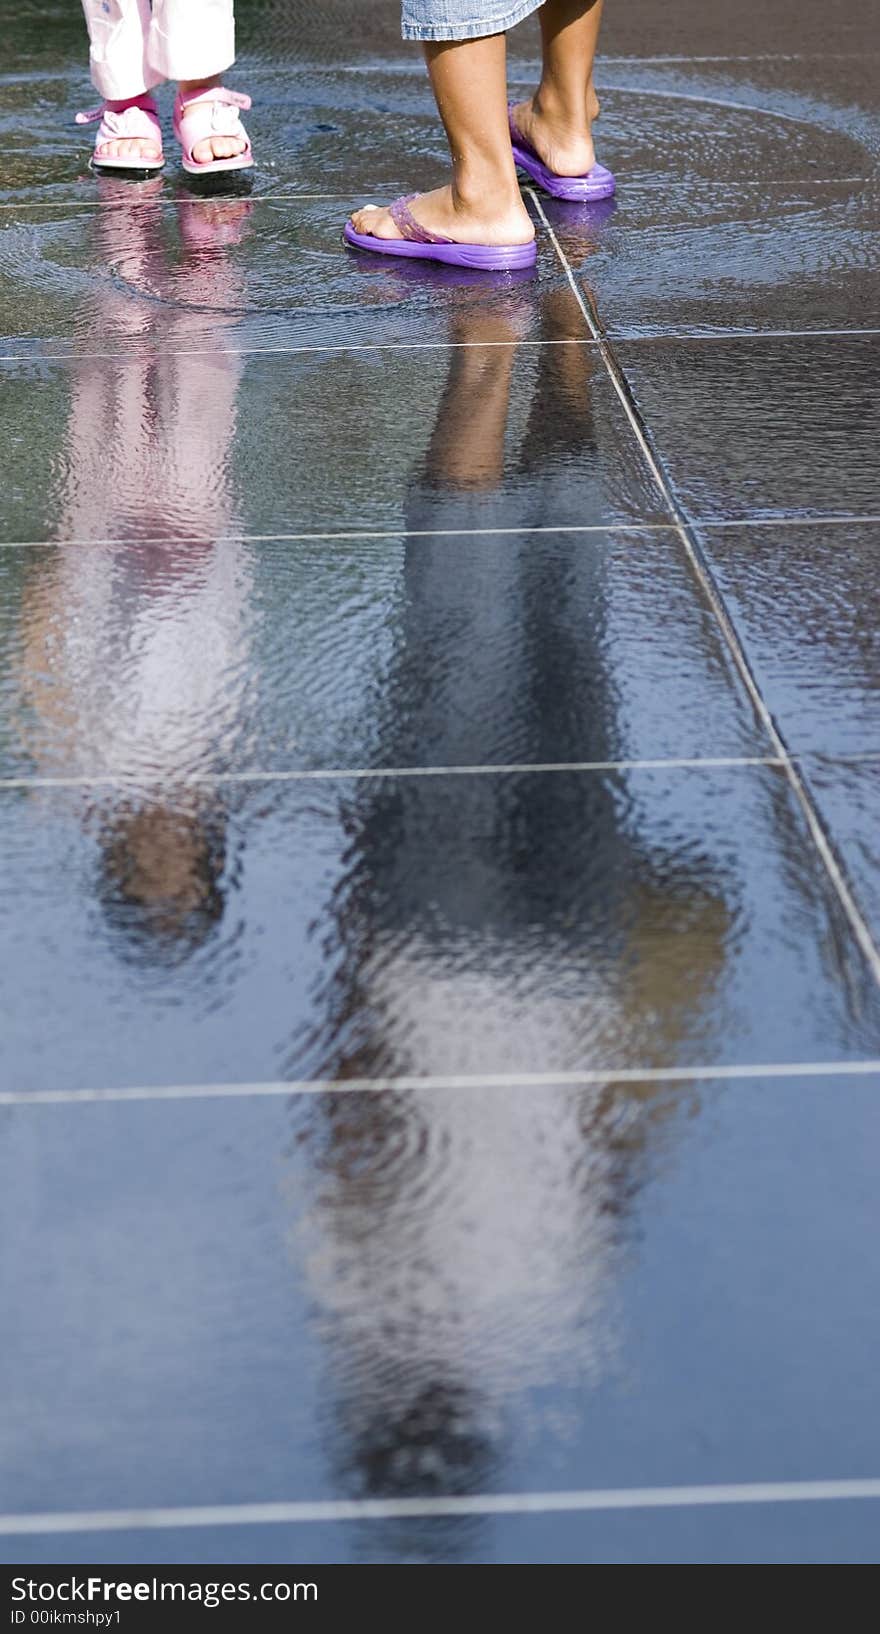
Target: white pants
x=134 y=45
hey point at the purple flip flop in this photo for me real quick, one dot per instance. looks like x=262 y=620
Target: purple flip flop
x=418 y=242
x=598 y=183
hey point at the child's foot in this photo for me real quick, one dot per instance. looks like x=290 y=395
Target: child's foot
x=134 y=149
x=445 y=214
x=566 y=149
x=129 y=135
x=228 y=139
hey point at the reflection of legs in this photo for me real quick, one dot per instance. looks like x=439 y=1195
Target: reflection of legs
x=557 y=119
x=467 y=448
x=483 y=204
x=123 y=484
x=560 y=426
x=175 y=481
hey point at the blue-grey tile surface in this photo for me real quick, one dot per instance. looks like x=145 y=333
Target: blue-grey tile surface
x=440 y=870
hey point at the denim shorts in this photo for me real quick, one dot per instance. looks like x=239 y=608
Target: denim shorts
x=462 y=19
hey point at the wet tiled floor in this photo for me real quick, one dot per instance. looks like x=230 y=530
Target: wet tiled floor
x=440 y=877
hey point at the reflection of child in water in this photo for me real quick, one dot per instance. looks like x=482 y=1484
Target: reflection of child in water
x=463 y=1244
x=136 y=651
x=162 y=873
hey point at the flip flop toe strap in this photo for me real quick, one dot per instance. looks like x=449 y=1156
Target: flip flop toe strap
x=408 y=227
x=217 y=94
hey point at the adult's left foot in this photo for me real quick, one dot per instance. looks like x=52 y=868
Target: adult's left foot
x=443 y=213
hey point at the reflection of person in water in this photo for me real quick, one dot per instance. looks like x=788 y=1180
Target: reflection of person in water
x=464 y=1239
x=134 y=647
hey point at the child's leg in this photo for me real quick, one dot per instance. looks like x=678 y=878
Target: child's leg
x=118 y=60
x=118 y=40
x=557 y=119
x=193 y=41
x=483 y=204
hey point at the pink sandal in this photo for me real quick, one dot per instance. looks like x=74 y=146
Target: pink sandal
x=211 y=113
x=137 y=122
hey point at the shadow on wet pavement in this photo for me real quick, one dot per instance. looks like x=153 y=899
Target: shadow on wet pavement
x=440 y=875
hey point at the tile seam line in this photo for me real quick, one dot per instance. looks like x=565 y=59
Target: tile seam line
x=715 y=598
x=675 y=336
x=511 y=1503
x=666 y=338
x=133 y=357
x=525 y=768
x=168 y=201
x=709 y=523
x=352 y=534
x=342 y=774
x=450 y=1083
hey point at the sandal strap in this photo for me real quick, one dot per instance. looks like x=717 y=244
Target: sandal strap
x=408 y=227
x=138 y=122
x=216 y=94
x=214 y=112
x=143 y=105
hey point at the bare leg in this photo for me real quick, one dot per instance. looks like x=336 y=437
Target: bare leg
x=466 y=451
x=482 y=204
x=557 y=119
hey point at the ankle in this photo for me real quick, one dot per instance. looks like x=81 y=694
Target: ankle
x=119 y=104
x=195 y=87
x=563 y=114
x=471 y=189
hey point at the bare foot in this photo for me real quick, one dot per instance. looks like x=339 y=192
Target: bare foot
x=212 y=147
x=218 y=147
x=565 y=148
x=133 y=149
x=445 y=213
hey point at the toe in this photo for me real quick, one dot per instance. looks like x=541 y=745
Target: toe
x=136 y=152
x=229 y=147
x=362 y=219
x=386 y=227
x=218 y=147
x=375 y=221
